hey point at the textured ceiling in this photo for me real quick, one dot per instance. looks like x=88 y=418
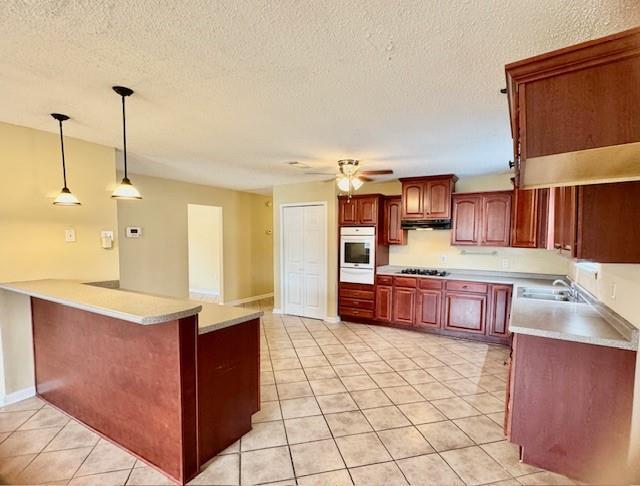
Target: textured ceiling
x=228 y=90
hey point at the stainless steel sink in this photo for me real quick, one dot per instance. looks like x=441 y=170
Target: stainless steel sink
x=554 y=295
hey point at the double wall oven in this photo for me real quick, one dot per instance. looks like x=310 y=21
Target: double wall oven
x=357 y=254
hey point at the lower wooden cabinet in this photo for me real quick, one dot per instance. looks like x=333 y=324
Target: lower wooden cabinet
x=476 y=309
x=499 y=310
x=404 y=304
x=428 y=308
x=465 y=312
x=384 y=299
x=356 y=300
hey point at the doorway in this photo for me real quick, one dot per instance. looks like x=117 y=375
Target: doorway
x=304 y=259
x=205 y=252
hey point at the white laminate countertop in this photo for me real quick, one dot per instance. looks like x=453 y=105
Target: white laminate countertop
x=131 y=306
x=584 y=322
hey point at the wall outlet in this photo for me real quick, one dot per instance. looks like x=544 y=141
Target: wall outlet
x=70 y=235
x=505 y=263
x=613 y=291
x=443 y=258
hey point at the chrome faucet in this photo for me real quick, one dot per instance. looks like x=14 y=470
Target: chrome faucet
x=573 y=288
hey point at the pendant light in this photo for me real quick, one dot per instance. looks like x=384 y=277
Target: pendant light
x=125 y=189
x=65 y=198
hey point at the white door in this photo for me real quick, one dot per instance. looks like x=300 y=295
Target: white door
x=304 y=241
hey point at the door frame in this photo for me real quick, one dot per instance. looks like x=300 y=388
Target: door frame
x=283 y=299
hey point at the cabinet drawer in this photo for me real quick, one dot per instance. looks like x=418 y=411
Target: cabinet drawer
x=461 y=286
x=360 y=304
x=404 y=282
x=357 y=294
x=384 y=279
x=356 y=286
x=432 y=284
x=352 y=311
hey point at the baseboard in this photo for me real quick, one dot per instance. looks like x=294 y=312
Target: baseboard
x=210 y=293
x=276 y=311
x=332 y=320
x=18 y=396
x=248 y=299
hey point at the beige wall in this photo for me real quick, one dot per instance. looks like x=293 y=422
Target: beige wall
x=157 y=262
x=205 y=248
x=301 y=193
x=32 y=242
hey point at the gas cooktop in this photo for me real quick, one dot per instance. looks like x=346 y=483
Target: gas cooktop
x=424 y=271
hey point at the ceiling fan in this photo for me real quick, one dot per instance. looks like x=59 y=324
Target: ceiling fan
x=350 y=177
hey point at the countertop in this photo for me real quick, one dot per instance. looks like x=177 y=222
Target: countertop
x=585 y=322
x=136 y=307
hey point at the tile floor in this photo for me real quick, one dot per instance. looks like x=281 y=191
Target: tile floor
x=342 y=404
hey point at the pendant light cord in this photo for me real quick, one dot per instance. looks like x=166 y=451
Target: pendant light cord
x=64 y=167
x=124 y=137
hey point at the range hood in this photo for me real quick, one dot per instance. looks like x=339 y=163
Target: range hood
x=427 y=224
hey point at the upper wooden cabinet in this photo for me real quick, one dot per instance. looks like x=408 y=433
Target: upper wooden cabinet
x=573 y=112
x=393 y=234
x=565 y=218
x=427 y=197
x=482 y=219
x=608 y=222
x=359 y=210
x=529 y=227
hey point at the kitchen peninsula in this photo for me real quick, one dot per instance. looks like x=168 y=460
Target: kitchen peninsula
x=173 y=381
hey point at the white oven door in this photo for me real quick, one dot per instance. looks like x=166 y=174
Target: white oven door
x=357 y=252
x=357 y=275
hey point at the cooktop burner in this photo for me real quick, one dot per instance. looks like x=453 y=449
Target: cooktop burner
x=424 y=271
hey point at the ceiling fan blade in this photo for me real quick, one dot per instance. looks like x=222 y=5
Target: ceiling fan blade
x=364 y=179
x=320 y=173
x=376 y=172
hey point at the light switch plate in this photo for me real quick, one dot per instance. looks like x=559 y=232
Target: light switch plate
x=70 y=235
x=505 y=263
x=106 y=234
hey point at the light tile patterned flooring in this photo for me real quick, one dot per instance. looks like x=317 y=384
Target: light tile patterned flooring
x=342 y=404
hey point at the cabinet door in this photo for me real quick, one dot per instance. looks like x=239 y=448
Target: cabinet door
x=437 y=203
x=348 y=212
x=466 y=220
x=569 y=215
x=384 y=297
x=496 y=219
x=413 y=199
x=465 y=312
x=404 y=301
x=367 y=211
x=428 y=308
x=393 y=232
x=500 y=296
x=558 y=203
x=525 y=218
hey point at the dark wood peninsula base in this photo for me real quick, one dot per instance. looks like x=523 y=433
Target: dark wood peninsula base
x=171 y=396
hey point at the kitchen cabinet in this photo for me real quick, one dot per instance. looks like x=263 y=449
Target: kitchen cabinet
x=425 y=198
x=359 y=210
x=482 y=219
x=608 y=222
x=565 y=214
x=499 y=310
x=404 y=300
x=356 y=300
x=574 y=109
x=529 y=228
x=393 y=234
x=428 y=308
x=465 y=311
x=561 y=393
x=384 y=302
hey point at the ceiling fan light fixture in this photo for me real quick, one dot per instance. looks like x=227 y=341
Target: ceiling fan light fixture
x=343 y=183
x=125 y=190
x=356 y=183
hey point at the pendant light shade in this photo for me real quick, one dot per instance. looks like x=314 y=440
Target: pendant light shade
x=65 y=198
x=125 y=190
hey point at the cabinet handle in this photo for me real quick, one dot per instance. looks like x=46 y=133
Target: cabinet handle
x=465 y=286
x=511 y=164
